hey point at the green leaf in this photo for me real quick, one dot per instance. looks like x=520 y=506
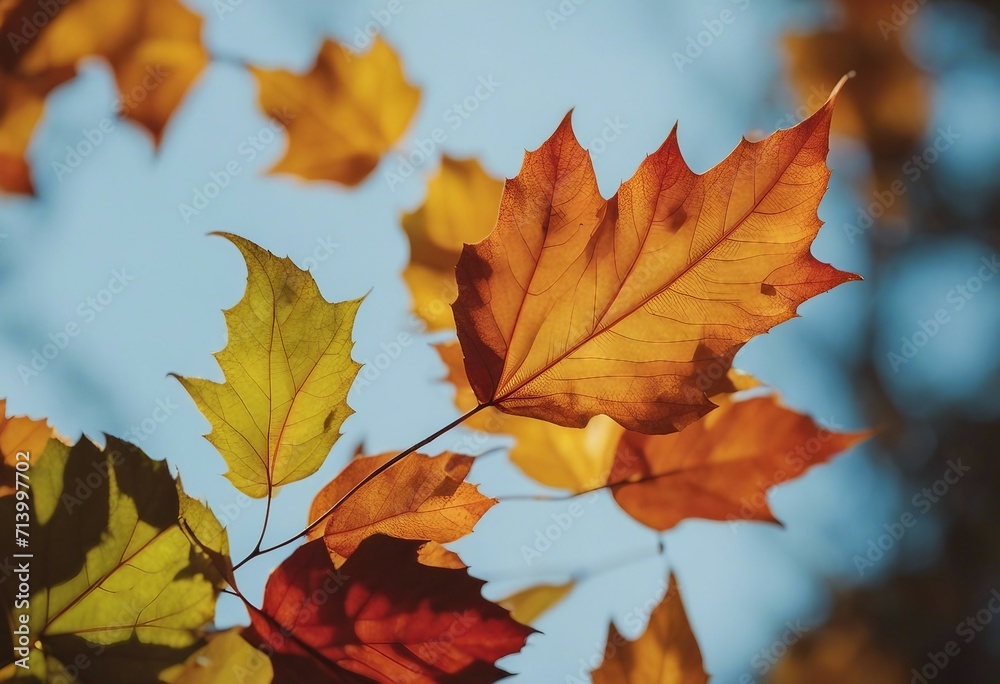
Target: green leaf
x=117 y=592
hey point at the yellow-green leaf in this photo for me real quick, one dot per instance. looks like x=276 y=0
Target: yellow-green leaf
x=116 y=590
x=287 y=368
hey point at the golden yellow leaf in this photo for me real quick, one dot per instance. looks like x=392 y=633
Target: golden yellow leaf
x=666 y=653
x=461 y=206
x=343 y=115
x=227 y=658
x=159 y=64
x=288 y=369
x=153 y=46
x=529 y=604
x=421 y=498
x=721 y=467
x=19 y=435
x=576 y=306
x=435 y=555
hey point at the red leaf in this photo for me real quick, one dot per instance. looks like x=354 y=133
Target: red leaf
x=382 y=615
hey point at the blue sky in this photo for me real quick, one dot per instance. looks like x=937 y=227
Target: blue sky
x=616 y=64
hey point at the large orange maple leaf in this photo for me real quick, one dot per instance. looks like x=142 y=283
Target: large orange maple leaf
x=576 y=306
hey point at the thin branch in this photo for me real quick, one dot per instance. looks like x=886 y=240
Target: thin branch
x=368 y=478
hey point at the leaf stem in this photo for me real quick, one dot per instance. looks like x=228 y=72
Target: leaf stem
x=267 y=515
x=368 y=478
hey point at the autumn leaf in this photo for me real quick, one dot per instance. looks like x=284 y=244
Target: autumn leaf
x=159 y=64
x=666 y=653
x=22 y=103
x=436 y=555
x=343 y=115
x=19 y=435
x=288 y=369
x=576 y=306
x=721 y=467
x=421 y=497
x=461 y=206
x=153 y=46
x=529 y=604
x=227 y=658
x=384 y=616
x=556 y=456
x=116 y=587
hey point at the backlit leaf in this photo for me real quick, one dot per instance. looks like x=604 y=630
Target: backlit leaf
x=421 y=497
x=341 y=116
x=19 y=434
x=666 y=653
x=461 y=206
x=153 y=46
x=382 y=615
x=529 y=604
x=117 y=591
x=288 y=369
x=227 y=658
x=721 y=467
x=577 y=306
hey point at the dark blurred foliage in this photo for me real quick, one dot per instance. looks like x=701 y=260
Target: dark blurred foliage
x=897 y=629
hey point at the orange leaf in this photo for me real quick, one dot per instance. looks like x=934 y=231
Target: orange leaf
x=153 y=46
x=576 y=306
x=384 y=616
x=22 y=102
x=461 y=206
x=19 y=434
x=343 y=115
x=421 y=497
x=666 y=653
x=159 y=64
x=437 y=556
x=721 y=467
